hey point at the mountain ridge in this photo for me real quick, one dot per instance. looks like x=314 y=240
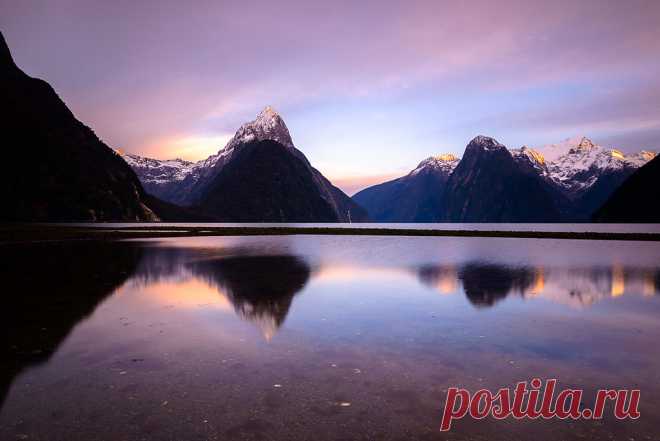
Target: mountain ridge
x=414 y=197
x=73 y=175
x=580 y=176
x=636 y=199
x=231 y=187
x=488 y=172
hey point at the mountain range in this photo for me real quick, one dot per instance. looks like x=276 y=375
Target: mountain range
x=561 y=182
x=74 y=176
x=260 y=176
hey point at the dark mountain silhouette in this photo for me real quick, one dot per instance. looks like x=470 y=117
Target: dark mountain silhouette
x=265 y=182
x=577 y=176
x=592 y=199
x=169 y=212
x=57 y=168
x=489 y=185
x=259 y=176
x=636 y=200
x=416 y=197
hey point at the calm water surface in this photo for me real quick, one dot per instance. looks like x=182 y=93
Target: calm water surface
x=319 y=337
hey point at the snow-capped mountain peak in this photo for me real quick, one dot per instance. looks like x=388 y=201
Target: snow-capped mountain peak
x=576 y=163
x=485 y=143
x=156 y=170
x=552 y=152
x=268 y=125
x=585 y=144
x=445 y=163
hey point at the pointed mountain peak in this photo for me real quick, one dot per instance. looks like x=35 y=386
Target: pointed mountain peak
x=268 y=125
x=268 y=113
x=569 y=146
x=434 y=160
x=585 y=143
x=445 y=162
x=484 y=143
x=268 y=118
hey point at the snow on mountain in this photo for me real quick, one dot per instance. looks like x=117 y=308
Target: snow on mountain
x=445 y=163
x=532 y=157
x=268 y=125
x=641 y=158
x=576 y=163
x=267 y=136
x=160 y=171
x=159 y=176
x=481 y=142
x=552 y=152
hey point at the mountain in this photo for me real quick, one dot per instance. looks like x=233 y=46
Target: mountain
x=259 y=176
x=489 y=185
x=573 y=177
x=636 y=199
x=57 y=169
x=163 y=179
x=416 y=197
x=586 y=173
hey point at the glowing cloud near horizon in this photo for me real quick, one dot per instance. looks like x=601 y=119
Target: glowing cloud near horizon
x=366 y=88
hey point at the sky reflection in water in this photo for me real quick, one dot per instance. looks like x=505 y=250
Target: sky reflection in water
x=331 y=337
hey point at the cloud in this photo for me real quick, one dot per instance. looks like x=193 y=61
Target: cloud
x=188 y=147
x=167 y=73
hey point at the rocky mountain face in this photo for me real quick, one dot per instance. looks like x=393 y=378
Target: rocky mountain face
x=259 y=176
x=570 y=181
x=416 y=197
x=489 y=185
x=636 y=200
x=169 y=180
x=67 y=172
x=586 y=173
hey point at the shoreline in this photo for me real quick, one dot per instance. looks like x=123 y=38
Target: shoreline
x=20 y=233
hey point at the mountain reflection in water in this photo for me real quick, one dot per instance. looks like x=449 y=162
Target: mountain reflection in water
x=227 y=337
x=485 y=284
x=260 y=288
x=48 y=289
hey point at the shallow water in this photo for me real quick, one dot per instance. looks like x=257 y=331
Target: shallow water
x=323 y=337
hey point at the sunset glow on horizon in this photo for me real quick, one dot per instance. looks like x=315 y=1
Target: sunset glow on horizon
x=367 y=89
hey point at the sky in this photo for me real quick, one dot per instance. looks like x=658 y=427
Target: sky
x=367 y=88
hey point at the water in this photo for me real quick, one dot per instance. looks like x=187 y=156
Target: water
x=320 y=337
x=556 y=227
